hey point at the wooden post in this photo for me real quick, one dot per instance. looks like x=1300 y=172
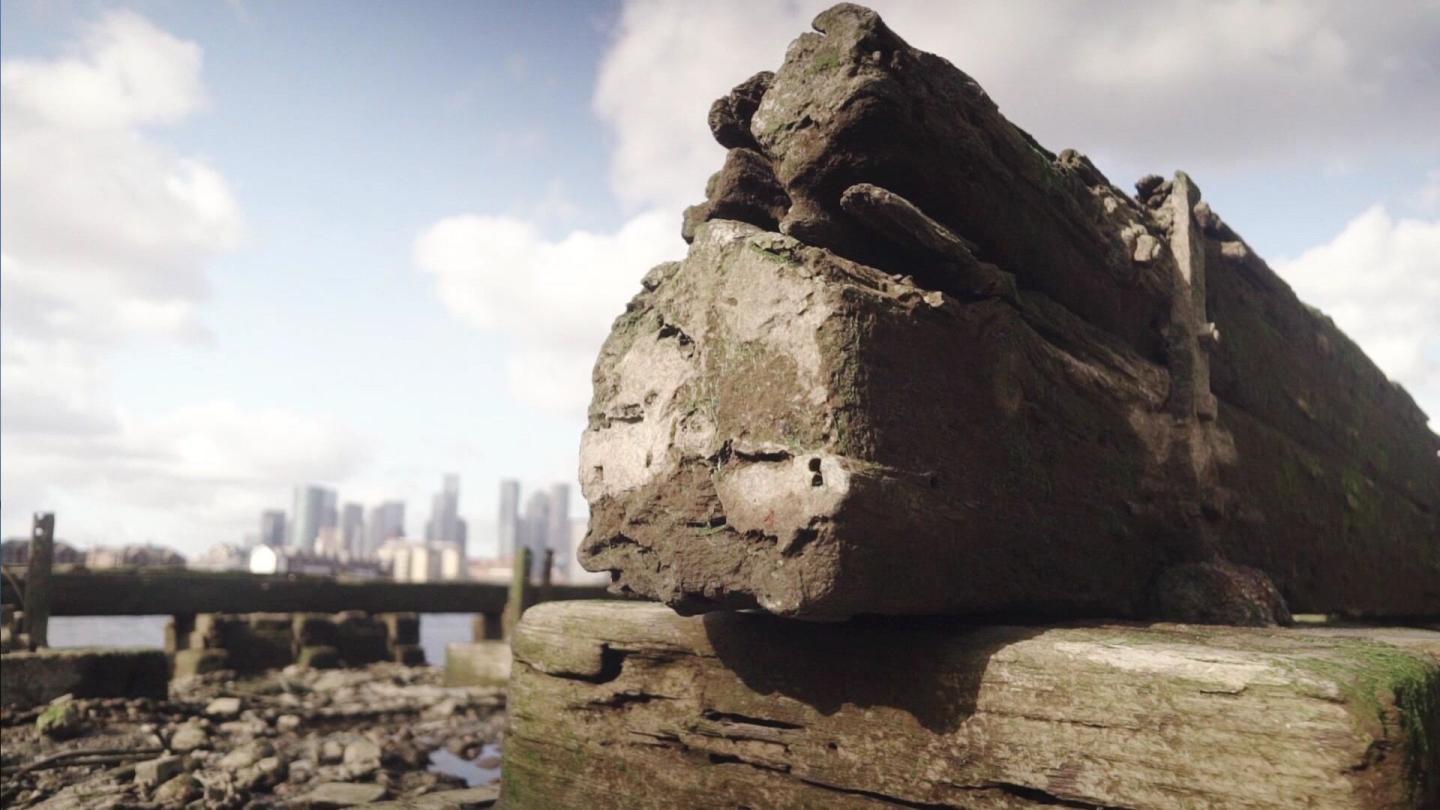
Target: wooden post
x=37 y=579
x=488 y=627
x=178 y=632
x=546 y=571
x=521 y=595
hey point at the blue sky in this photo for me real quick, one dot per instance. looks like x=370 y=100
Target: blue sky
x=401 y=228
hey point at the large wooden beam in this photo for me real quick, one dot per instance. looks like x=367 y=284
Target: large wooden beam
x=143 y=593
x=630 y=705
x=968 y=376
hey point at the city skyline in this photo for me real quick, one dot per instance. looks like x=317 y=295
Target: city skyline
x=360 y=528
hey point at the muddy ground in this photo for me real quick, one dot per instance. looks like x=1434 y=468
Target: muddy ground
x=291 y=738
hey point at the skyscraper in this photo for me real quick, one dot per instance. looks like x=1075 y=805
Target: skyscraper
x=508 y=535
x=387 y=522
x=557 y=530
x=272 y=528
x=444 y=524
x=535 y=529
x=352 y=529
x=314 y=510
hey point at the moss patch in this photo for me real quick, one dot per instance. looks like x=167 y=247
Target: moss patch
x=771 y=255
x=1388 y=690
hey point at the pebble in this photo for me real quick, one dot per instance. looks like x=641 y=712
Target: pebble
x=271 y=755
x=188 y=738
x=362 y=757
x=179 y=791
x=152 y=772
x=223 y=707
x=265 y=773
x=331 y=751
x=342 y=794
x=246 y=755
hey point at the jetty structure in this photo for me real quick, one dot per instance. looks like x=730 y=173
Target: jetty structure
x=982 y=418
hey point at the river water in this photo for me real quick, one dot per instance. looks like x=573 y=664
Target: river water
x=436 y=630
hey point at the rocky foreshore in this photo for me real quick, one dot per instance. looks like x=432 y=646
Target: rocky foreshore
x=295 y=737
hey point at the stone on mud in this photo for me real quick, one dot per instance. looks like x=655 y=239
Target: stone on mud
x=330 y=795
x=152 y=772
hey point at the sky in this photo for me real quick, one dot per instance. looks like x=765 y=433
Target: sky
x=245 y=245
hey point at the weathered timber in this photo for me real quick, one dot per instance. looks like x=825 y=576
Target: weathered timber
x=629 y=705
x=32 y=678
x=522 y=592
x=37 y=582
x=971 y=376
x=477 y=663
x=145 y=593
x=487 y=627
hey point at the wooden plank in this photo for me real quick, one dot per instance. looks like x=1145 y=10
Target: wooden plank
x=630 y=705
x=141 y=593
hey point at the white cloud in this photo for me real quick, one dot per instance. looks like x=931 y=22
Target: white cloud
x=124 y=72
x=669 y=61
x=1427 y=199
x=106 y=232
x=107 y=238
x=1189 y=84
x=1379 y=278
x=188 y=478
x=553 y=300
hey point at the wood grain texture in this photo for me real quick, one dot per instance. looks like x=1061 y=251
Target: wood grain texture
x=631 y=705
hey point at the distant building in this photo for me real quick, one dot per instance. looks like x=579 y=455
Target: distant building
x=224 y=557
x=557 y=532
x=272 y=527
x=445 y=525
x=452 y=563
x=544 y=525
x=509 y=528
x=271 y=560
x=535 y=529
x=352 y=530
x=134 y=556
x=394 y=554
x=267 y=560
x=387 y=522
x=328 y=543
x=314 y=510
x=16 y=551
x=414 y=561
x=496 y=571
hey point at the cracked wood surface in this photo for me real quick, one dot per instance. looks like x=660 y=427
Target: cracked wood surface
x=630 y=705
x=914 y=363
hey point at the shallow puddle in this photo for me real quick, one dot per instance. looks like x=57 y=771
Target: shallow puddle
x=475 y=775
